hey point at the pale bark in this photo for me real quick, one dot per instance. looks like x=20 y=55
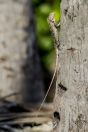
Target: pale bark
x=19 y=60
x=71 y=99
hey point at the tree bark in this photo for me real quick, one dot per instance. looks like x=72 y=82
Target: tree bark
x=71 y=98
x=20 y=69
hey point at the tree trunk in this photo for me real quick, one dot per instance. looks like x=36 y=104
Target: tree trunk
x=71 y=99
x=19 y=60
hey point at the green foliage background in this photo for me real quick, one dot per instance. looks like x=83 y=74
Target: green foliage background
x=42 y=10
x=45 y=44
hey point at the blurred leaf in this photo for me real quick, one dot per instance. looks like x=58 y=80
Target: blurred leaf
x=57 y=15
x=44 y=9
x=45 y=43
x=56 y=9
x=48 y=61
x=42 y=25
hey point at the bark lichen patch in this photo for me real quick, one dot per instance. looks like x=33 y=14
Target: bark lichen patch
x=80 y=121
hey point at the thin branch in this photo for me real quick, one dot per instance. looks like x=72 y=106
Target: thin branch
x=8 y=96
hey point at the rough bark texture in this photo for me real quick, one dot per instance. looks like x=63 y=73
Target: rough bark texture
x=19 y=61
x=71 y=99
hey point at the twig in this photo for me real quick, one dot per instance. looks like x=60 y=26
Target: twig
x=8 y=96
x=12 y=116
